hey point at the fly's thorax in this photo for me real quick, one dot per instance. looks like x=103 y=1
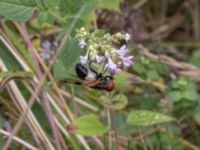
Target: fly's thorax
x=91 y=75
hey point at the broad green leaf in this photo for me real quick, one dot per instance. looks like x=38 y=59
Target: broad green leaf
x=161 y=68
x=88 y=125
x=175 y=95
x=67 y=7
x=45 y=17
x=152 y=74
x=51 y=3
x=67 y=60
x=146 y=118
x=190 y=95
x=116 y=103
x=139 y=68
x=66 y=22
x=42 y=17
x=17 y=10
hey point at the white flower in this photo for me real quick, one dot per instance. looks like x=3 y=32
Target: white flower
x=83 y=59
x=127 y=37
x=127 y=62
x=111 y=66
x=82 y=43
x=99 y=59
x=122 y=51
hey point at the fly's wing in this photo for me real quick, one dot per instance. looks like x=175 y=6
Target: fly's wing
x=72 y=81
x=75 y=80
x=95 y=84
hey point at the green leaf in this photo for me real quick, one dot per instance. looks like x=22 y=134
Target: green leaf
x=42 y=17
x=67 y=7
x=146 y=118
x=152 y=74
x=89 y=125
x=190 y=95
x=67 y=60
x=45 y=17
x=51 y=3
x=139 y=68
x=17 y=10
x=116 y=103
x=66 y=22
x=161 y=68
x=47 y=4
x=175 y=95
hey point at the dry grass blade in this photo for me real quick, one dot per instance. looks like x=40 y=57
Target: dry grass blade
x=22 y=105
x=43 y=78
x=26 y=144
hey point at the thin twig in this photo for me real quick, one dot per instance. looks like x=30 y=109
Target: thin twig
x=25 y=36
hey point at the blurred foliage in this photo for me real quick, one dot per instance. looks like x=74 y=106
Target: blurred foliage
x=183 y=89
x=141 y=114
x=150 y=70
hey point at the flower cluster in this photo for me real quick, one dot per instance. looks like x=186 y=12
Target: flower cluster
x=100 y=48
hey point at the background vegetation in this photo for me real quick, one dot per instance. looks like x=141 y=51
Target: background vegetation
x=155 y=105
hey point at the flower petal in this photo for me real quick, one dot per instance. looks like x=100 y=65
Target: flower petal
x=83 y=59
x=111 y=66
x=99 y=59
x=122 y=51
x=127 y=62
x=82 y=43
x=127 y=37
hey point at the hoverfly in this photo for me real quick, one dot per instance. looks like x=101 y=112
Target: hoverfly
x=91 y=78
